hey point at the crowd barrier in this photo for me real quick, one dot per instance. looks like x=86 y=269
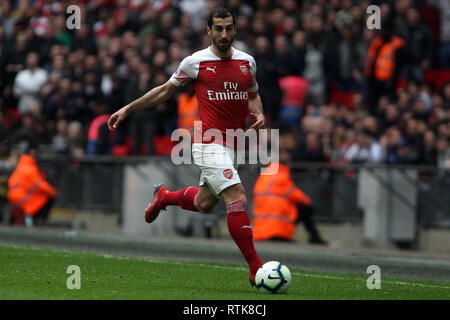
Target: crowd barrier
x=97 y=184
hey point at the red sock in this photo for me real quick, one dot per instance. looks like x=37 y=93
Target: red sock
x=241 y=232
x=183 y=198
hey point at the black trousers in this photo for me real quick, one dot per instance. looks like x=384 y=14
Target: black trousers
x=41 y=216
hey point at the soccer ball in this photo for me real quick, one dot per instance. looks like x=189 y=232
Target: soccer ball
x=274 y=277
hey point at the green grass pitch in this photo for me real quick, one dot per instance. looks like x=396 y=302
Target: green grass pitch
x=30 y=273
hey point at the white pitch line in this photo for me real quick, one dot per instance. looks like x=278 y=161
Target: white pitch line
x=311 y=275
x=415 y=284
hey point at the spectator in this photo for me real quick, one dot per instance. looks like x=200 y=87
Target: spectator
x=443 y=149
x=16 y=58
x=106 y=81
x=312 y=150
x=83 y=40
x=429 y=151
x=364 y=150
x=348 y=74
x=316 y=64
x=59 y=140
x=29 y=82
x=299 y=50
x=444 y=52
x=267 y=77
x=400 y=20
x=142 y=125
x=63 y=102
x=283 y=58
x=194 y=8
x=420 y=47
x=27 y=131
x=344 y=16
x=100 y=140
x=75 y=139
x=91 y=93
x=402 y=153
x=294 y=91
x=126 y=47
x=7 y=20
x=43 y=135
x=446 y=95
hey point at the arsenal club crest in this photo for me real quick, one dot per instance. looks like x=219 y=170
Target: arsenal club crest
x=243 y=69
x=227 y=173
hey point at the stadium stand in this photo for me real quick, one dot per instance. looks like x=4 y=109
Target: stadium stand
x=51 y=75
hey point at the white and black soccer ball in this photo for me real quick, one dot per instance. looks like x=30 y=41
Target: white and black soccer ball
x=274 y=277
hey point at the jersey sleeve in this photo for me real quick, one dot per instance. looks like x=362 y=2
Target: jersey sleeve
x=187 y=71
x=298 y=196
x=253 y=85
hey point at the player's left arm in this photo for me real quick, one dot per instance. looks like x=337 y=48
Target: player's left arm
x=254 y=100
x=256 y=110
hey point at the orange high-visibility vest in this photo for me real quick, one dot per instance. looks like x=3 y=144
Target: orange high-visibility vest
x=275 y=200
x=187 y=111
x=384 y=60
x=27 y=188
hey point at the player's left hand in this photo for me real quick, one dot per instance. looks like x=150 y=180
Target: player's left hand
x=259 y=122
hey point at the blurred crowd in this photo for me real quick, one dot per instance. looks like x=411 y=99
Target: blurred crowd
x=58 y=85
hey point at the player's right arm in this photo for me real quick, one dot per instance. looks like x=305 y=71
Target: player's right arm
x=152 y=98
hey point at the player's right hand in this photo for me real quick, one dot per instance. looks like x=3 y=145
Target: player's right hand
x=116 y=118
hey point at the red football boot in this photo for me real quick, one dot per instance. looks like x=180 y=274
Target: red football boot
x=251 y=278
x=155 y=207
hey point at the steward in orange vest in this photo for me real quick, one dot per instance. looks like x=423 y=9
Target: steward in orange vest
x=187 y=109
x=275 y=208
x=28 y=189
x=380 y=63
x=385 y=59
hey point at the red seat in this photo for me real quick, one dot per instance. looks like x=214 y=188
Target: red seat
x=163 y=145
x=437 y=78
x=123 y=149
x=338 y=96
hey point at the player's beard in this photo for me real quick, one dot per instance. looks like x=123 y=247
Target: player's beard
x=221 y=45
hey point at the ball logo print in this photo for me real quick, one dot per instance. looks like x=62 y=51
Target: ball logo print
x=273 y=277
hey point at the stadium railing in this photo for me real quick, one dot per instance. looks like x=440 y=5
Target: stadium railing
x=97 y=183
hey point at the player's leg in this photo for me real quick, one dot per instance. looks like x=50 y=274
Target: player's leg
x=223 y=179
x=189 y=198
x=205 y=200
x=239 y=225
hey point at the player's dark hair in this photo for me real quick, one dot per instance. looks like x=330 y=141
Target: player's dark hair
x=222 y=13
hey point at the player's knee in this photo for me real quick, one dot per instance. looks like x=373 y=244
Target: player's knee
x=233 y=193
x=204 y=205
x=237 y=205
